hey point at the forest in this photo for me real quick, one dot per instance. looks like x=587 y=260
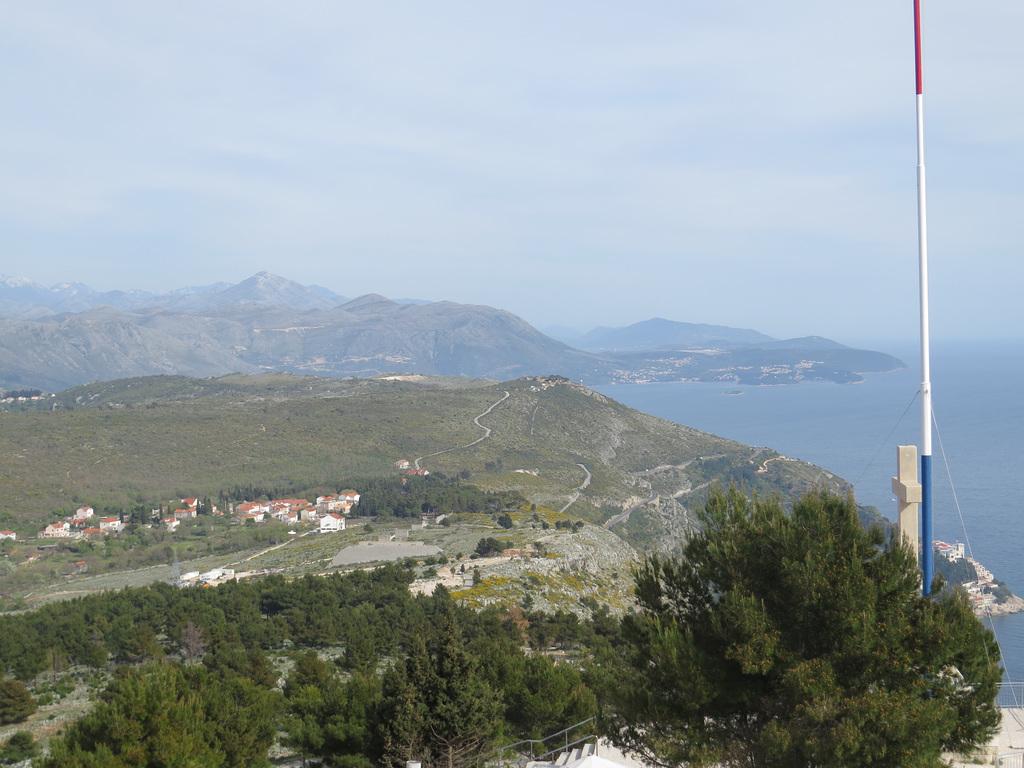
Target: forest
x=351 y=670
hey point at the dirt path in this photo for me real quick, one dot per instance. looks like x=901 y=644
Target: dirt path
x=271 y=548
x=625 y=515
x=581 y=487
x=487 y=433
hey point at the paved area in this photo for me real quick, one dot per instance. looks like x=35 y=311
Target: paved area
x=1008 y=743
x=382 y=551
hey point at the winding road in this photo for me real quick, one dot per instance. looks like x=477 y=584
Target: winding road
x=581 y=487
x=487 y=433
x=619 y=518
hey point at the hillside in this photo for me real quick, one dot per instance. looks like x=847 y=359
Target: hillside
x=658 y=334
x=138 y=442
x=364 y=337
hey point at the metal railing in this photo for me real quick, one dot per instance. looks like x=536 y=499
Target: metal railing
x=541 y=749
x=1010 y=695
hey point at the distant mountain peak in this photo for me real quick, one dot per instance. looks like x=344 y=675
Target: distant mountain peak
x=17 y=282
x=268 y=322
x=370 y=300
x=263 y=288
x=267 y=278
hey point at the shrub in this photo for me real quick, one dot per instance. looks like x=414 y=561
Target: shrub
x=16 y=703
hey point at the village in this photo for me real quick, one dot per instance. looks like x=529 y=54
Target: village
x=981 y=592
x=327 y=514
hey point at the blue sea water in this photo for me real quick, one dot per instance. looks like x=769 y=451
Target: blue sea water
x=853 y=431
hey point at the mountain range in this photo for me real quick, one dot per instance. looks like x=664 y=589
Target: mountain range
x=25 y=299
x=59 y=337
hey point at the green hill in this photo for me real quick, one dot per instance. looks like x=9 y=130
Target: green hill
x=138 y=442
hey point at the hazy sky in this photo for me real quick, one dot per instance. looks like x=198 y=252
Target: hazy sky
x=577 y=163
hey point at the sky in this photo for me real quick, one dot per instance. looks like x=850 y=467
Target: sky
x=579 y=164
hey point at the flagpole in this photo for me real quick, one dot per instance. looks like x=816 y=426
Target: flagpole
x=927 y=562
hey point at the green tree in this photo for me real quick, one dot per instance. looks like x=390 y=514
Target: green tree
x=16 y=703
x=309 y=670
x=330 y=719
x=438 y=706
x=539 y=697
x=488 y=546
x=168 y=715
x=796 y=640
x=20 y=747
x=230 y=658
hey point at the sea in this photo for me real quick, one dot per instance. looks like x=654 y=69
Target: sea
x=852 y=430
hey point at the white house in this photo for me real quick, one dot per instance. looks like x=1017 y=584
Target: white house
x=82 y=514
x=280 y=506
x=328 y=504
x=8 y=535
x=332 y=522
x=349 y=497
x=111 y=524
x=61 y=530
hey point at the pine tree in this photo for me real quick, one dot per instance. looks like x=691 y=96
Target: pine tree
x=796 y=639
x=16 y=703
x=437 y=707
x=170 y=715
x=21 y=746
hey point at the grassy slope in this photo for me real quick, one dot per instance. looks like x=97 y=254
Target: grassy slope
x=126 y=450
x=142 y=441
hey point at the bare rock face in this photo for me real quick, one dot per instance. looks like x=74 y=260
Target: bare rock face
x=590 y=563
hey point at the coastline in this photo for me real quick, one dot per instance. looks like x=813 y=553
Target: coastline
x=982 y=589
x=1013 y=605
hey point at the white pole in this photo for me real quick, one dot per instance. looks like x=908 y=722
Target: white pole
x=927 y=567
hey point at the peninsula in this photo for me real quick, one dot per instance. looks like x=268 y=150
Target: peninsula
x=988 y=595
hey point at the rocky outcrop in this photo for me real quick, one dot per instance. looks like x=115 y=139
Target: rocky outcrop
x=1013 y=605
